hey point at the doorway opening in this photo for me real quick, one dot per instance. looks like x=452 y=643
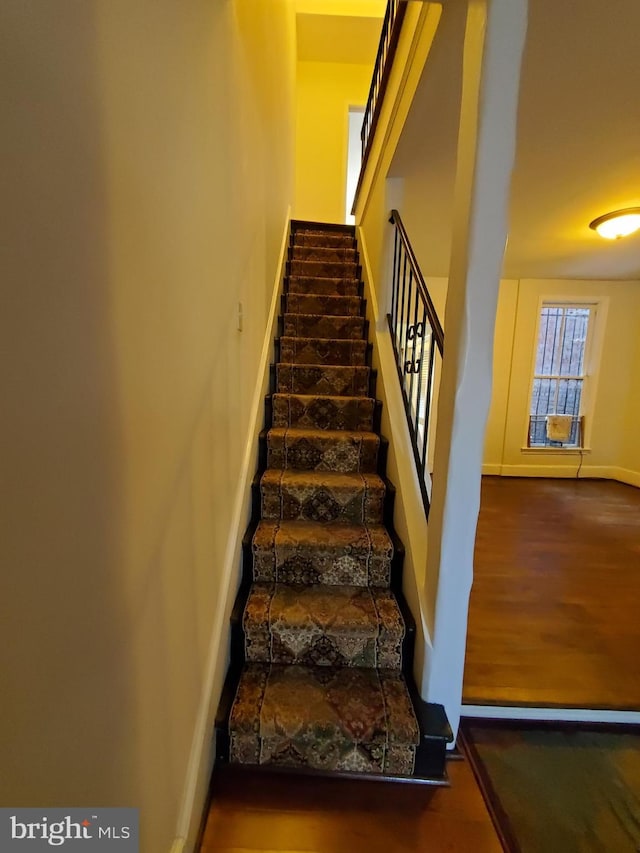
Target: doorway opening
x=354 y=159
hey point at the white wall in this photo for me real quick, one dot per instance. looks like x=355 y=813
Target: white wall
x=354 y=159
x=149 y=182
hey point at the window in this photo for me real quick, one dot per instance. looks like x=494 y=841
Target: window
x=557 y=394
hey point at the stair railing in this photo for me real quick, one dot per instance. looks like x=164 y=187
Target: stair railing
x=418 y=342
x=384 y=59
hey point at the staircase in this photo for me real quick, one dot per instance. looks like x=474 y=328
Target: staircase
x=320 y=678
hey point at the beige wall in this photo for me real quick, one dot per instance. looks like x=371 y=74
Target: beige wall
x=630 y=457
x=147 y=193
x=611 y=419
x=325 y=91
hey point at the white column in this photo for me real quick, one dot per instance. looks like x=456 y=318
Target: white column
x=493 y=47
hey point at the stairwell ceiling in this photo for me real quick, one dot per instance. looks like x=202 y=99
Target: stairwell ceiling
x=342 y=38
x=578 y=147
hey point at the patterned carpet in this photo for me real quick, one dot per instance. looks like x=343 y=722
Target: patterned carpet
x=324 y=640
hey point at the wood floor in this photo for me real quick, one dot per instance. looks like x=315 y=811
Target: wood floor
x=328 y=816
x=554 y=616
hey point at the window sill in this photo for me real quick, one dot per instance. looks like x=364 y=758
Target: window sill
x=567 y=451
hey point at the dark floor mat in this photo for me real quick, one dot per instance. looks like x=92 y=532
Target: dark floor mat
x=564 y=790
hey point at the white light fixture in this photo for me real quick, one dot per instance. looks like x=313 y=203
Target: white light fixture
x=618 y=224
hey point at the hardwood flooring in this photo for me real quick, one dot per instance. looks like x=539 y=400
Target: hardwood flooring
x=288 y=813
x=554 y=606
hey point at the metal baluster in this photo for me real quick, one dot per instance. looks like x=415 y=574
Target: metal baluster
x=419 y=395
x=427 y=412
x=415 y=363
x=399 y=328
x=394 y=280
x=407 y=364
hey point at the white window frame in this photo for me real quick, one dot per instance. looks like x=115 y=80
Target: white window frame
x=592 y=352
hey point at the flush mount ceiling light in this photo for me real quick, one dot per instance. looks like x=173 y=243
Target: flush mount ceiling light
x=618 y=224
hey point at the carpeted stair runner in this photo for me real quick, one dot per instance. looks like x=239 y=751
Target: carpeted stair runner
x=322 y=640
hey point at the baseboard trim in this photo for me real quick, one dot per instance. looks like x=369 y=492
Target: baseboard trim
x=564 y=715
x=625 y=475
x=492 y=470
x=201 y=758
x=599 y=472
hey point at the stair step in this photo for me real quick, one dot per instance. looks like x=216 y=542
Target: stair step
x=324 y=351
x=323 y=626
x=323 y=326
x=326 y=269
x=324 y=254
x=324 y=286
x=323 y=411
x=332 y=380
x=323 y=238
x=322 y=496
x=331 y=719
x=321 y=635
x=311 y=303
x=316 y=553
x=345 y=451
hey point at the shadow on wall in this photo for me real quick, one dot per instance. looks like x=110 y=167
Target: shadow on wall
x=65 y=646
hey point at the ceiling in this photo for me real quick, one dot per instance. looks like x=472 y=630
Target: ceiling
x=348 y=38
x=337 y=38
x=578 y=146
x=350 y=8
